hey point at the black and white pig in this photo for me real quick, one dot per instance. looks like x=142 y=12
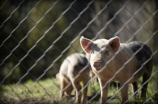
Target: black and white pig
x=109 y=56
x=70 y=72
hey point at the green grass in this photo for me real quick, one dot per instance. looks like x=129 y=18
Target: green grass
x=47 y=91
x=44 y=90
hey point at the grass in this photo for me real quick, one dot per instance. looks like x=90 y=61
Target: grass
x=44 y=90
x=47 y=91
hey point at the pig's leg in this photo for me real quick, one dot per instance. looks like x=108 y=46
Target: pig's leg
x=69 y=89
x=104 y=91
x=77 y=87
x=124 y=92
x=146 y=76
x=84 y=94
x=62 y=86
x=135 y=87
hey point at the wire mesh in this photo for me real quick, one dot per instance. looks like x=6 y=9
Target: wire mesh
x=36 y=36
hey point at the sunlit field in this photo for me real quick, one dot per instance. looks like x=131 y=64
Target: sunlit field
x=47 y=91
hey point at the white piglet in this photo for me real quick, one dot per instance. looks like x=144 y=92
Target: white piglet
x=133 y=60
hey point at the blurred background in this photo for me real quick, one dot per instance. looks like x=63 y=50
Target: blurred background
x=37 y=35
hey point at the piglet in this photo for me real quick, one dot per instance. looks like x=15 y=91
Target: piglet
x=109 y=56
x=74 y=69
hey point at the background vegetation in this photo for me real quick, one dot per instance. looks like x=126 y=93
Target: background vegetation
x=34 y=36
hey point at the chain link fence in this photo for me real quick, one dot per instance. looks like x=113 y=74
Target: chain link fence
x=36 y=36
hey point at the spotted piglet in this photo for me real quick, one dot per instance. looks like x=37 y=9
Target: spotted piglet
x=74 y=69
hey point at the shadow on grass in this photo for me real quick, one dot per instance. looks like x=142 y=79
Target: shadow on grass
x=66 y=99
x=96 y=98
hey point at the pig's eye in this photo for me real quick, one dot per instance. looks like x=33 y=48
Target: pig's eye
x=106 y=52
x=94 y=45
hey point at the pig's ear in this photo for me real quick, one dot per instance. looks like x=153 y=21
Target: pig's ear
x=86 y=44
x=114 y=43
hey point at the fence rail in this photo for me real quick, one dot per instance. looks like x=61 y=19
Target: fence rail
x=36 y=36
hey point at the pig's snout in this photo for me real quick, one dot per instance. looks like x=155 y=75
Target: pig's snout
x=97 y=65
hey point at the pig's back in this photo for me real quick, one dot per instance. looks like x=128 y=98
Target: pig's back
x=77 y=60
x=143 y=56
x=141 y=61
x=142 y=50
x=73 y=61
